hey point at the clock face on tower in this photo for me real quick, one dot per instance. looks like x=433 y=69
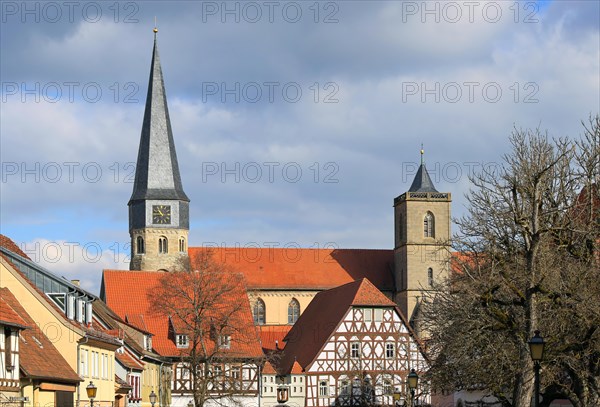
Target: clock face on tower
x=161 y=214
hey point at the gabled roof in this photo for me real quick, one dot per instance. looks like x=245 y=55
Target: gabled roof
x=157 y=171
x=9 y=317
x=268 y=368
x=326 y=311
x=127 y=292
x=129 y=361
x=43 y=281
x=422 y=181
x=38 y=358
x=304 y=269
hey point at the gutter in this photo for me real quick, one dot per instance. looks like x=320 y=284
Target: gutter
x=78 y=372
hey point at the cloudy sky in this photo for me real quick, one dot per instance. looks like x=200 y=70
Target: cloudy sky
x=294 y=122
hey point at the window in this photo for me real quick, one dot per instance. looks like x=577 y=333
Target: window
x=293 y=311
x=163 y=245
x=368 y=314
x=235 y=372
x=95 y=364
x=355 y=350
x=104 y=366
x=148 y=342
x=224 y=341
x=258 y=312
x=217 y=370
x=387 y=387
x=344 y=387
x=430 y=276
x=378 y=314
x=390 y=350
x=139 y=244
x=182 y=244
x=8 y=357
x=323 y=388
x=429 y=225
x=83 y=362
x=182 y=341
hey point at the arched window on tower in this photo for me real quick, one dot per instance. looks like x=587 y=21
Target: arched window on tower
x=293 y=311
x=163 y=245
x=182 y=244
x=139 y=245
x=429 y=225
x=258 y=312
x=430 y=276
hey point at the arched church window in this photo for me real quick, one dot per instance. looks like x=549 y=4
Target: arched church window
x=139 y=244
x=430 y=276
x=163 y=245
x=182 y=245
x=258 y=311
x=429 y=225
x=293 y=311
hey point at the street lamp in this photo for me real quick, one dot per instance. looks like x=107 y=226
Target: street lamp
x=91 y=392
x=152 y=398
x=536 y=348
x=412 y=380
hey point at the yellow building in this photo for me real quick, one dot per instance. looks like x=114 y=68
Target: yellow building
x=62 y=312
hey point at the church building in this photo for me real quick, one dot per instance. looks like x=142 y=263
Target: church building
x=283 y=286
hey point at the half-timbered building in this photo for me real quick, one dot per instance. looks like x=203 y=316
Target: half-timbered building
x=355 y=348
x=282 y=283
x=232 y=361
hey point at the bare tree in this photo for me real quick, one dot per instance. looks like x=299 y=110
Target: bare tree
x=208 y=309
x=527 y=260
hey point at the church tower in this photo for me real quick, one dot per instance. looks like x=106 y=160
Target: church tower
x=158 y=208
x=422 y=232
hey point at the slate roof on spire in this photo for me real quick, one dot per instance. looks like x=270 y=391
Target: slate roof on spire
x=157 y=172
x=422 y=181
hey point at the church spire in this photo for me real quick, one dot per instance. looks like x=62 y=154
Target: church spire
x=158 y=208
x=157 y=171
x=422 y=181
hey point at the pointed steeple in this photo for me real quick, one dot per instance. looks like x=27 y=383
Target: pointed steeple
x=422 y=181
x=157 y=172
x=158 y=209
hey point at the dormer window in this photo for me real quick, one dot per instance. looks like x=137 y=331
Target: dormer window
x=148 y=342
x=182 y=341
x=224 y=341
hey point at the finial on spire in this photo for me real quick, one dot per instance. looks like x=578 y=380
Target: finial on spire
x=155 y=27
x=422 y=152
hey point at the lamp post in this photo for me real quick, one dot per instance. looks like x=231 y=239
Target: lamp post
x=412 y=380
x=91 y=392
x=536 y=348
x=152 y=398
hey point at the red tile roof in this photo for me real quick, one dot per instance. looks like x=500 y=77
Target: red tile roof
x=268 y=368
x=318 y=322
x=9 y=317
x=128 y=293
x=137 y=321
x=296 y=368
x=315 y=269
x=128 y=361
x=8 y=244
x=270 y=334
x=38 y=357
x=100 y=335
